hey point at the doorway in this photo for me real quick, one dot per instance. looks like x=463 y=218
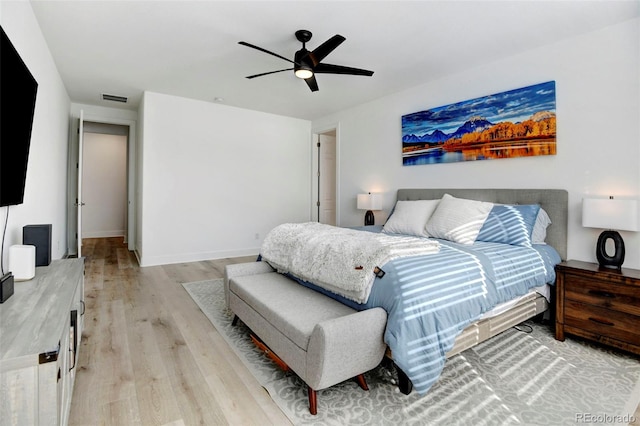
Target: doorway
x=116 y=138
x=104 y=180
x=326 y=176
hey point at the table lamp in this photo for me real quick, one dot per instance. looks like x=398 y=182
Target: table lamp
x=369 y=202
x=612 y=216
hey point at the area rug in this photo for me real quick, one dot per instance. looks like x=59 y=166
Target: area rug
x=522 y=376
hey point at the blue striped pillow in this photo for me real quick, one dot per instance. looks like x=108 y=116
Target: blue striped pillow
x=510 y=224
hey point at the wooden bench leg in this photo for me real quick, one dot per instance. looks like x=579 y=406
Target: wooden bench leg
x=234 y=322
x=362 y=382
x=313 y=401
x=268 y=352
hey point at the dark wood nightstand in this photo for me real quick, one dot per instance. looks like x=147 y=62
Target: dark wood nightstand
x=598 y=304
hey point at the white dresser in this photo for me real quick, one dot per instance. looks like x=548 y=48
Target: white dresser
x=40 y=331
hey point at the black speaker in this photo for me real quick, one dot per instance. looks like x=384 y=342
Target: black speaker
x=39 y=236
x=6 y=287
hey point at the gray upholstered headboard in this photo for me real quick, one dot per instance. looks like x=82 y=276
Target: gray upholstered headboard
x=554 y=201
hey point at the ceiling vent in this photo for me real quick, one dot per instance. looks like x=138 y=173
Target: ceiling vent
x=114 y=98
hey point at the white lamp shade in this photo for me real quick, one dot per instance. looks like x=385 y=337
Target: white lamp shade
x=369 y=201
x=609 y=213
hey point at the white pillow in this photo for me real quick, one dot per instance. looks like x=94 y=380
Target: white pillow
x=539 y=233
x=410 y=217
x=458 y=220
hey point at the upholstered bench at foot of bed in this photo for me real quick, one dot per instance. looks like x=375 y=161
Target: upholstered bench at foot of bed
x=323 y=341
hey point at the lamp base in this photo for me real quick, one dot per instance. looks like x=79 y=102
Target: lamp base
x=606 y=261
x=369 y=219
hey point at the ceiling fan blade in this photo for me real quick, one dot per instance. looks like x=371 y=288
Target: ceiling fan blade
x=267 y=73
x=244 y=43
x=312 y=83
x=339 y=69
x=321 y=52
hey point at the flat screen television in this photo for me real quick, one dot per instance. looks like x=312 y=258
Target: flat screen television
x=18 y=91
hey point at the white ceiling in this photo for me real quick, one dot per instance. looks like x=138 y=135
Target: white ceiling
x=190 y=48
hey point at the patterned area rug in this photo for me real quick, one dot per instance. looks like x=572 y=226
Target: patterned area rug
x=520 y=377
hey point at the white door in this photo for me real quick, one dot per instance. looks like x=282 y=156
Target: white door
x=327 y=179
x=79 y=202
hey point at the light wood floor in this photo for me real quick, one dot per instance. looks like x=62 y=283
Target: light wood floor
x=149 y=356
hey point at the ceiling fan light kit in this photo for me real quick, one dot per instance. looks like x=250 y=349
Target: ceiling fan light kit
x=303 y=73
x=306 y=64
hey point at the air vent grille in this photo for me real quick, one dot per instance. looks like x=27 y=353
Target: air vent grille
x=114 y=98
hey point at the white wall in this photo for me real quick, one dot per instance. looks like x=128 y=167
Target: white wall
x=215 y=179
x=45 y=188
x=598 y=135
x=104 y=185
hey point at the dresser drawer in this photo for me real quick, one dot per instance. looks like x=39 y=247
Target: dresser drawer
x=612 y=296
x=603 y=321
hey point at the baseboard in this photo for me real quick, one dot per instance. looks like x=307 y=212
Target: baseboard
x=195 y=257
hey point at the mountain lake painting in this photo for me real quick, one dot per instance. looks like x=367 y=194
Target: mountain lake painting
x=517 y=123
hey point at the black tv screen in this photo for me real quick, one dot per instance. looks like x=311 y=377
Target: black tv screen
x=18 y=91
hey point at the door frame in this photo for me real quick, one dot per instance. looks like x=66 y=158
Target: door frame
x=79 y=179
x=315 y=133
x=72 y=186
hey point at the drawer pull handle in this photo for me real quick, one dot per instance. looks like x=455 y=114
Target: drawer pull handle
x=601 y=321
x=602 y=293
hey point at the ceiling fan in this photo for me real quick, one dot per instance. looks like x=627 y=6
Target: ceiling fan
x=306 y=64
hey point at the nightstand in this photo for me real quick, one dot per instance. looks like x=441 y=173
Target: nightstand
x=598 y=304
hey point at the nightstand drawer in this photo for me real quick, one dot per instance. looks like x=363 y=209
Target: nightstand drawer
x=612 y=296
x=602 y=321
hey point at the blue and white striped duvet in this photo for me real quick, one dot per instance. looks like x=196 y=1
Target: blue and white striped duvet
x=431 y=299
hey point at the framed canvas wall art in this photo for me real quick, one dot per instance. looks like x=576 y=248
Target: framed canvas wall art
x=516 y=123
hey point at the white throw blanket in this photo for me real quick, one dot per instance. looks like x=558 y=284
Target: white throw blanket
x=340 y=260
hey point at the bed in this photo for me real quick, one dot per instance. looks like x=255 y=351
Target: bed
x=439 y=304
